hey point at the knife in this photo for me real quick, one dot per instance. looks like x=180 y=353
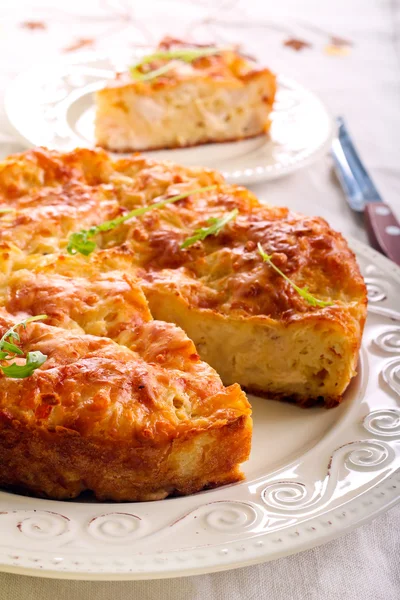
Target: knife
x=382 y=226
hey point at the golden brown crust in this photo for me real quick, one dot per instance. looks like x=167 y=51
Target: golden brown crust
x=101 y=389
x=228 y=67
x=59 y=464
x=225 y=272
x=113 y=373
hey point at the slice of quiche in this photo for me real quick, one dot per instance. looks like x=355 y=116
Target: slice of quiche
x=184 y=95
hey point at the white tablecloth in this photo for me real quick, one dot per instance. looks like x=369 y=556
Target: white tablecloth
x=363 y=85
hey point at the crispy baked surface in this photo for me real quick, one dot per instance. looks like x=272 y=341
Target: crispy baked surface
x=217 y=98
x=125 y=395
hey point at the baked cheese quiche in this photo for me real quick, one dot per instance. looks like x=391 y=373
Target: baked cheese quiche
x=131 y=293
x=184 y=95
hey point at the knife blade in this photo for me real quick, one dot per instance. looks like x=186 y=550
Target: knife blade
x=382 y=226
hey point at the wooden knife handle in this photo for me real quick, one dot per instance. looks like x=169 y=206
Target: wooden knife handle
x=383 y=229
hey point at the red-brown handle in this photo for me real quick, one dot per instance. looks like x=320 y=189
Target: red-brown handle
x=383 y=229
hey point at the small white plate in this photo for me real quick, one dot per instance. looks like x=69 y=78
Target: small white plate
x=313 y=475
x=52 y=105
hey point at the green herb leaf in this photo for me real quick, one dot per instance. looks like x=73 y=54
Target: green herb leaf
x=303 y=292
x=81 y=241
x=33 y=361
x=12 y=348
x=136 y=74
x=214 y=227
x=11 y=333
x=187 y=55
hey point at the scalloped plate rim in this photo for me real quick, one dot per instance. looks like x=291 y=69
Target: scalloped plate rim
x=239 y=564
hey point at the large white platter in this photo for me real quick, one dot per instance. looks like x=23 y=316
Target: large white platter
x=52 y=105
x=313 y=475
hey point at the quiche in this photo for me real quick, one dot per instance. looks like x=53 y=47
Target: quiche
x=184 y=95
x=148 y=279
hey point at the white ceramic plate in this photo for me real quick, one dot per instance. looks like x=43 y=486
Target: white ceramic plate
x=313 y=474
x=52 y=105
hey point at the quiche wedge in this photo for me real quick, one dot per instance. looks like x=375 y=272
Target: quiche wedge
x=184 y=95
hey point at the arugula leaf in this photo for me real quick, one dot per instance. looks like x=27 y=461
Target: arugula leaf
x=214 y=227
x=12 y=348
x=11 y=333
x=136 y=74
x=303 y=292
x=80 y=241
x=187 y=55
x=33 y=361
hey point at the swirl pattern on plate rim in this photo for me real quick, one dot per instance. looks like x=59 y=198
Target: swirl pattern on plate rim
x=297 y=497
x=37 y=524
x=389 y=341
x=115 y=527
